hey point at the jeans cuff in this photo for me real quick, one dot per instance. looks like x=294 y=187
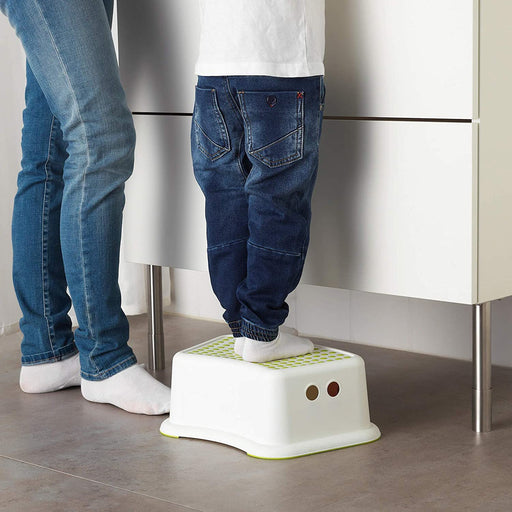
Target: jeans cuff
x=235 y=328
x=52 y=356
x=110 y=372
x=250 y=330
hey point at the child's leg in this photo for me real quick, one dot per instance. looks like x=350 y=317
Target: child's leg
x=221 y=168
x=282 y=119
x=258 y=197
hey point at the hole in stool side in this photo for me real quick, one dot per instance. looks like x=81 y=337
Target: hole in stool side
x=312 y=392
x=333 y=389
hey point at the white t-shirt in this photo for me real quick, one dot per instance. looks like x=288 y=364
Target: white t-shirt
x=283 y=38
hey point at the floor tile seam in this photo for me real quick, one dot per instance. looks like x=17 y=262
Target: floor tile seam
x=90 y=480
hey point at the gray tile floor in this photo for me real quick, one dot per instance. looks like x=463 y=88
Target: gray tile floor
x=59 y=452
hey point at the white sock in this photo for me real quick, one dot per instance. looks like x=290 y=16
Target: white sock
x=132 y=389
x=239 y=346
x=285 y=345
x=47 y=377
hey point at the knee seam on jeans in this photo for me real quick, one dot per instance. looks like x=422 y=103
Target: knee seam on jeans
x=277 y=251
x=227 y=244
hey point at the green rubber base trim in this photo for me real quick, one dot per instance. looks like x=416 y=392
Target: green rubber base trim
x=312 y=453
x=171 y=437
x=280 y=458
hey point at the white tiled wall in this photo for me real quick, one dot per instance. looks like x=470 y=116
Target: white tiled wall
x=323 y=312
x=422 y=326
x=502 y=331
x=441 y=328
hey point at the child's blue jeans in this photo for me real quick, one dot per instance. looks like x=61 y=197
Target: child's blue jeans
x=255 y=143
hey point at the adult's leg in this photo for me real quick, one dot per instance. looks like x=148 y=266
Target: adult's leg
x=38 y=269
x=49 y=355
x=70 y=51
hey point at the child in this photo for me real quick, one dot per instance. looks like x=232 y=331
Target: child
x=255 y=140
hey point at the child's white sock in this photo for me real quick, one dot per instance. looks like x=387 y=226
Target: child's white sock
x=47 y=377
x=285 y=345
x=132 y=389
x=239 y=346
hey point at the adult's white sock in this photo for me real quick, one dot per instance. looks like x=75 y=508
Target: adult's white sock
x=48 y=377
x=285 y=345
x=132 y=389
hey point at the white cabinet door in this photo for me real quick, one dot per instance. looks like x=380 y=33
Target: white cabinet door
x=164 y=215
x=158 y=47
x=384 y=58
x=393 y=210
x=400 y=58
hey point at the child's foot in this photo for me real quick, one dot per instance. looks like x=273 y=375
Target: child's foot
x=239 y=346
x=132 y=389
x=47 y=377
x=285 y=345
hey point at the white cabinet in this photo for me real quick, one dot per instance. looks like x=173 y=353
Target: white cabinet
x=414 y=193
x=164 y=212
x=384 y=58
x=401 y=58
x=393 y=209
x=158 y=45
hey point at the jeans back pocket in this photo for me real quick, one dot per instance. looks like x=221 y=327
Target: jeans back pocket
x=274 y=123
x=208 y=125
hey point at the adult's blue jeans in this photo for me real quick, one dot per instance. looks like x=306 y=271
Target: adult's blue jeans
x=78 y=141
x=255 y=142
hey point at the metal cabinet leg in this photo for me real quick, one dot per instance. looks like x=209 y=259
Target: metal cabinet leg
x=482 y=389
x=155 y=318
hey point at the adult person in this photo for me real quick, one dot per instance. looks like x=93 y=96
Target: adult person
x=255 y=138
x=77 y=143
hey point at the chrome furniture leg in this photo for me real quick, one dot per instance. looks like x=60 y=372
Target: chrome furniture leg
x=482 y=389
x=155 y=318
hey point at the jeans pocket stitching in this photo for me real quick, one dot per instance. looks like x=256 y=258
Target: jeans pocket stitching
x=220 y=121
x=221 y=128
x=299 y=130
x=289 y=158
x=212 y=156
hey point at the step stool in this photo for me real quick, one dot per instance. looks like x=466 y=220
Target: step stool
x=277 y=410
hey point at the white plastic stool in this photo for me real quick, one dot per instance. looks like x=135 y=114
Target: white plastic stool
x=276 y=410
